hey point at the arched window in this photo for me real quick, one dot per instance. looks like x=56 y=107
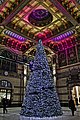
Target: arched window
x=7 y=54
x=8 y=63
x=5 y=84
x=5 y=90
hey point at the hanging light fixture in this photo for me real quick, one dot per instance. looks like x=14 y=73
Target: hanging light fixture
x=14 y=35
x=63 y=36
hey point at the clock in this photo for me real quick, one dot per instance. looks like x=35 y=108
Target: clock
x=6 y=73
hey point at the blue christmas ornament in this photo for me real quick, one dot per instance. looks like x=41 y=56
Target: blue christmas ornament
x=31 y=65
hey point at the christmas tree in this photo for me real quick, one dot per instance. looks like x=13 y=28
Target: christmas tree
x=41 y=99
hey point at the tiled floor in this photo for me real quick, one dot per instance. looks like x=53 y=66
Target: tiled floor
x=13 y=114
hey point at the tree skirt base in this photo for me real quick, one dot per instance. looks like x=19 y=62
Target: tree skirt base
x=36 y=118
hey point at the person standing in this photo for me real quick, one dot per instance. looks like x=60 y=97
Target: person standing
x=4 y=103
x=76 y=100
x=72 y=106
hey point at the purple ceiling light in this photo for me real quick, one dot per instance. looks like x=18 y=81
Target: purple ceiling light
x=14 y=35
x=40 y=17
x=63 y=36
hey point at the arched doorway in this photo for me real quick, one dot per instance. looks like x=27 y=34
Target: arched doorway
x=76 y=93
x=5 y=90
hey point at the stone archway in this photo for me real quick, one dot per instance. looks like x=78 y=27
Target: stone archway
x=5 y=90
x=74 y=91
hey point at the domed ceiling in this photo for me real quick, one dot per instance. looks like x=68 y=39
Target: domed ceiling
x=24 y=22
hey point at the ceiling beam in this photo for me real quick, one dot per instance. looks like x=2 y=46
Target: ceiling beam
x=64 y=11
x=14 y=12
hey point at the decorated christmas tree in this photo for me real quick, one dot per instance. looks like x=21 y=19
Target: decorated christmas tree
x=41 y=99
